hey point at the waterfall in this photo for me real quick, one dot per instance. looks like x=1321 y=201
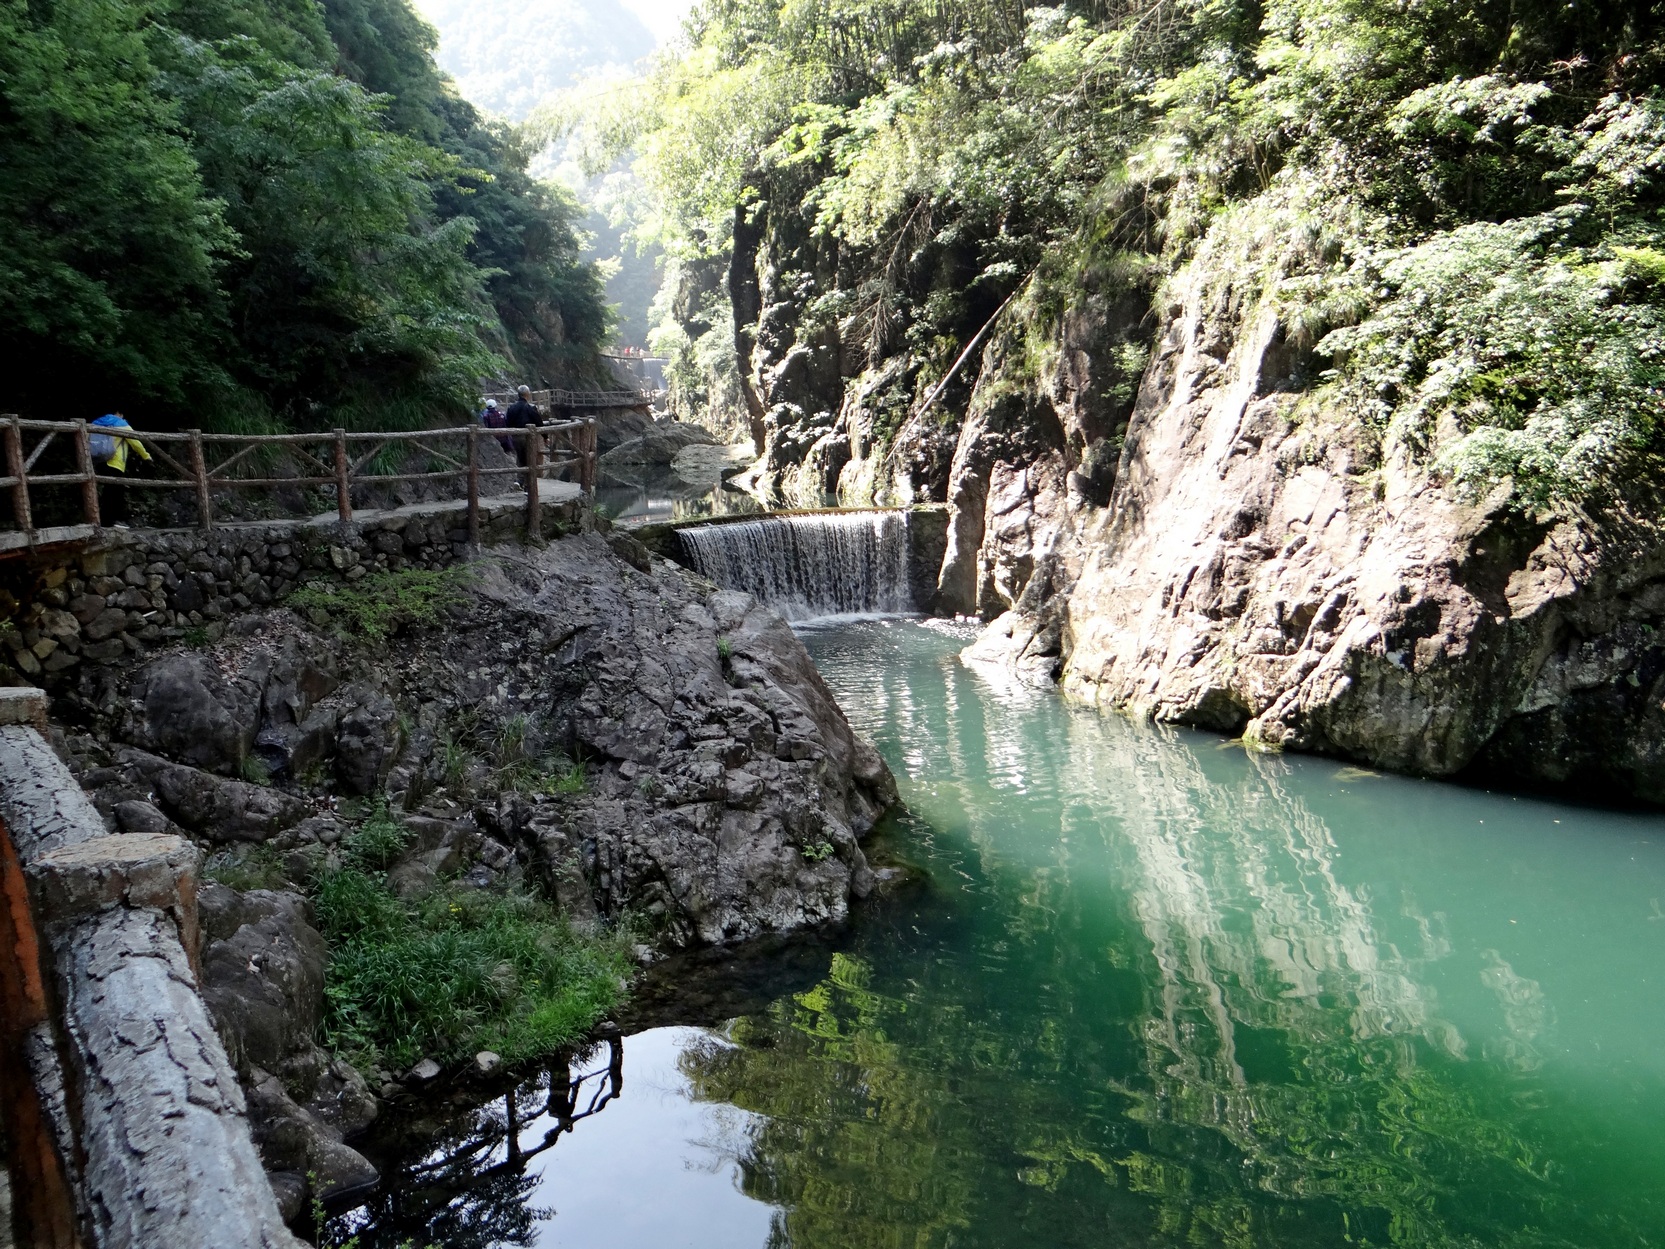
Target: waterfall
x=836 y=564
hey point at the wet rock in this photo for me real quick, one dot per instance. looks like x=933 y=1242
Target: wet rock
x=291 y=1140
x=289 y=1187
x=341 y=1099
x=487 y=1063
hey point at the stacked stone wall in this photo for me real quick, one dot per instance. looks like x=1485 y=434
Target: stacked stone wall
x=129 y=591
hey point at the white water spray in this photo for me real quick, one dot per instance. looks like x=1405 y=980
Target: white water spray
x=838 y=564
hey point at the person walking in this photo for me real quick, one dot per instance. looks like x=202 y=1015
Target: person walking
x=109 y=449
x=492 y=417
x=523 y=414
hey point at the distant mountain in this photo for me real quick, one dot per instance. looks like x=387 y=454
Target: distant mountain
x=507 y=55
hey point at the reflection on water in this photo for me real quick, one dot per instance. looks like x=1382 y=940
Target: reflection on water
x=1161 y=992
x=647 y=495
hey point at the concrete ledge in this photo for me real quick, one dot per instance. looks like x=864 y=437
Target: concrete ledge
x=136 y=869
x=24 y=705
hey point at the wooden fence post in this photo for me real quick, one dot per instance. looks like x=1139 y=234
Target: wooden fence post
x=473 y=486
x=89 y=486
x=534 y=467
x=20 y=488
x=586 y=470
x=199 y=473
x=343 y=495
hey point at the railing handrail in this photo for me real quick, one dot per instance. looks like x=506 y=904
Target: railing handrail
x=343 y=473
x=323 y=435
x=624 y=397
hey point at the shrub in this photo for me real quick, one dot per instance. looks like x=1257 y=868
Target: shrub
x=377 y=842
x=381 y=603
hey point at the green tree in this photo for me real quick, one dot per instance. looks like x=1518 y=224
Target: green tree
x=108 y=239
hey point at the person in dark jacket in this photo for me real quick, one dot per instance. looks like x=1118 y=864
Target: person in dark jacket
x=523 y=413
x=492 y=417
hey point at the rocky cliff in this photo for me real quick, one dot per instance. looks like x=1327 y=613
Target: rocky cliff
x=1262 y=568
x=1229 y=548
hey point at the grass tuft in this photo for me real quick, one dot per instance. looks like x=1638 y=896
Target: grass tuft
x=246 y=867
x=377 y=842
x=458 y=972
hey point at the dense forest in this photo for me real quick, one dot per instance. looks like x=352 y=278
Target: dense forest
x=1454 y=210
x=268 y=213
x=525 y=60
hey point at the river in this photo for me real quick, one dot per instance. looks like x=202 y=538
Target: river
x=1148 y=990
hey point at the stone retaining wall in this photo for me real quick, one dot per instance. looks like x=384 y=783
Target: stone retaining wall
x=127 y=591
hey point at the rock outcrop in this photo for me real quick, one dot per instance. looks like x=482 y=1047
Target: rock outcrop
x=1263 y=569
x=725 y=792
x=589 y=715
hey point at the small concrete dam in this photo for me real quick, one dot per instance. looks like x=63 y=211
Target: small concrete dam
x=812 y=565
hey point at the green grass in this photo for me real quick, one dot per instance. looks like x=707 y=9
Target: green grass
x=554 y=774
x=377 y=842
x=458 y=972
x=380 y=604
x=246 y=867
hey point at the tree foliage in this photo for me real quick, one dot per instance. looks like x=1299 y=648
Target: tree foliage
x=228 y=214
x=1454 y=208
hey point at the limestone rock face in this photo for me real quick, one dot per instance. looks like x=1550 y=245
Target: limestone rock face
x=1261 y=568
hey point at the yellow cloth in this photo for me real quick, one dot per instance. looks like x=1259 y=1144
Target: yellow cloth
x=118 y=461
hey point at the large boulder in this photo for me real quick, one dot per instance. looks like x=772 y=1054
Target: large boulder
x=367 y=740
x=263 y=982
x=658 y=444
x=262 y=973
x=212 y=806
x=194 y=713
x=726 y=793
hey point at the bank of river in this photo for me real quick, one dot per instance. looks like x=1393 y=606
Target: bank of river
x=1152 y=990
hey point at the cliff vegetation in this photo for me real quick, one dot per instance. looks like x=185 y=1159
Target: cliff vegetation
x=1453 y=210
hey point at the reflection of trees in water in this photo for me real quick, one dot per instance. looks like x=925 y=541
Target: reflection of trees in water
x=1220 y=1045
x=471 y=1185
x=1281 y=1018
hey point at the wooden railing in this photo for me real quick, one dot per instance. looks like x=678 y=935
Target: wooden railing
x=208 y=464
x=572 y=400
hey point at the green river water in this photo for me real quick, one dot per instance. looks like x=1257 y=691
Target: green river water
x=1151 y=990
